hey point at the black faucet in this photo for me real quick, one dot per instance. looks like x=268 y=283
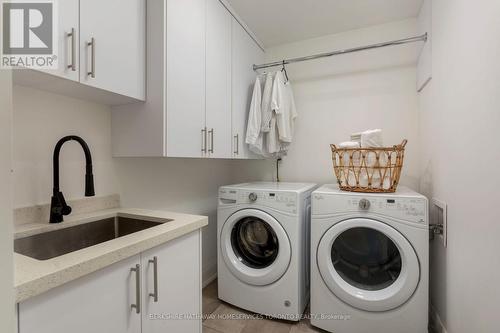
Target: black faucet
x=58 y=206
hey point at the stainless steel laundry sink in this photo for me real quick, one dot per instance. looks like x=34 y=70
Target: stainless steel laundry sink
x=58 y=242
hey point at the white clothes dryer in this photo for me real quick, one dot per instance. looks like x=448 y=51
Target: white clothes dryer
x=370 y=259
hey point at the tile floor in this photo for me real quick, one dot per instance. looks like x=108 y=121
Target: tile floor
x=220 y=310
x=213 y=306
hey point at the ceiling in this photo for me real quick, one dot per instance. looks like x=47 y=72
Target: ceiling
x=277 y=22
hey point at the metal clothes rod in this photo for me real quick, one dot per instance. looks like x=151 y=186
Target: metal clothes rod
x=334 y=53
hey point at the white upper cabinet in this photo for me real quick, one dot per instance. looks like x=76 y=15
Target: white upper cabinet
x=218 y=80
x=185 y=76
x=68 y=39
x=246 y=52
x=112 y=45
x=199 y=85
x=111 y=70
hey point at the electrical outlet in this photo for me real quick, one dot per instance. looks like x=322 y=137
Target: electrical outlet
x=439 y=217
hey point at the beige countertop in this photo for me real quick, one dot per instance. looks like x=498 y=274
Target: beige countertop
x=33 y=277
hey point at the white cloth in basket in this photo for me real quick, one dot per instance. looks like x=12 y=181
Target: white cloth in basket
x=373 y=139
x=356 y=160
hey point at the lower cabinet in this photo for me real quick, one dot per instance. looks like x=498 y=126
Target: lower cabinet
x=99 y=302
x=175 y=304
x=124 y=297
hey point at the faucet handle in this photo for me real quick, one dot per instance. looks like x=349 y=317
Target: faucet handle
x=58 y=208
x=66 y=210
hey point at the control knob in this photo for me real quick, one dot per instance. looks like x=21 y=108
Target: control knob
x=364 y=204
x=252 y=197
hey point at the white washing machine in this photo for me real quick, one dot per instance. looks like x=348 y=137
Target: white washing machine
x=369 y=261
x=263 y=247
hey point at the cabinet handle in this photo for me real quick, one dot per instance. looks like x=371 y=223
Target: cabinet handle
x=137 y=305
x=211 y=150
x=204 y=140
x=154 y=294
x=237 y=150
x=72 y=34
x=91 y=44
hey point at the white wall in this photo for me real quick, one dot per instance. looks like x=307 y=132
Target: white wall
x=6 y=248
x=186 y=185
x=459 y=119
x=345 y=94
x=40 y=120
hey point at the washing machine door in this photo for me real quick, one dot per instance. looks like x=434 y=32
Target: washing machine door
x=368 y=264
x=255 y=247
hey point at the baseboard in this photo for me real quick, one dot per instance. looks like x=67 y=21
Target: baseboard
x=436 y=324
x=209 y=279
x=209 y=272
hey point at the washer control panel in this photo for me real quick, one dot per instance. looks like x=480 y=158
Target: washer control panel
x=282 y=201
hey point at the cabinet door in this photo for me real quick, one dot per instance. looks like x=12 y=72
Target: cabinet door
x=246 y=53
x=218 y=103
x=115 y=61
x=138 y=130
x=68 y=39
x=99 y=302
x=185 y=90
x=178 y=274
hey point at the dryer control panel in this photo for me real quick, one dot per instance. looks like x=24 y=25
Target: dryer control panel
x=404 y=208
x=282 y=201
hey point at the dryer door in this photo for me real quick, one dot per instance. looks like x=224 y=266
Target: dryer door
x=368 y=264
x=255 y=247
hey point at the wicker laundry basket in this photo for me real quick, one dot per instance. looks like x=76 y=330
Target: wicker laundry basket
x=373 y=170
